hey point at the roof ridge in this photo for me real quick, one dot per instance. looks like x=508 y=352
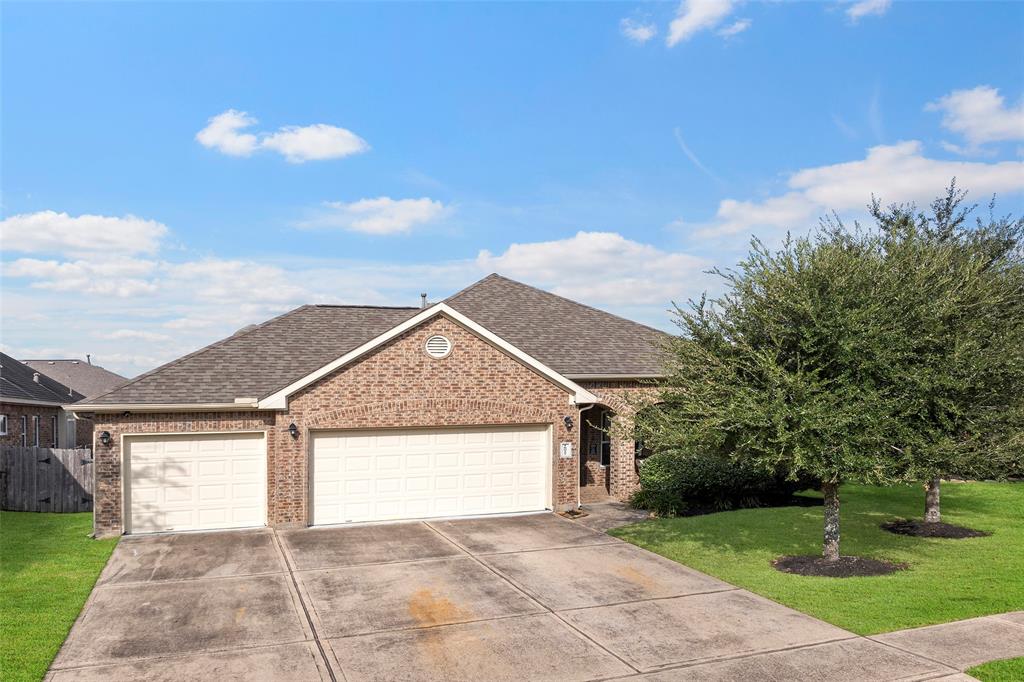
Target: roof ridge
x=194 y=353
x=494 y=275
x=359 y=305
x=474 y=285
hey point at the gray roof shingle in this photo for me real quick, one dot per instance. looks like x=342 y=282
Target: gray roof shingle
x=84 y=377
x=571 y=338
x=17 y=381
x=257 y=361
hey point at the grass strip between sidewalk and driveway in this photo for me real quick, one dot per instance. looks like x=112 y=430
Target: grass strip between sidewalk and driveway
x=1008 y=670
x=946 y=580
x=48 y=566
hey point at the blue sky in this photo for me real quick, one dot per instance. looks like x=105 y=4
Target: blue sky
x=172 y=172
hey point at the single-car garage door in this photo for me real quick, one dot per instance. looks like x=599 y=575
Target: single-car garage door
x=195 y=482
x=422 y=473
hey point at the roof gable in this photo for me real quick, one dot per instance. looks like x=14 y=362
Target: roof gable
x=279 y=399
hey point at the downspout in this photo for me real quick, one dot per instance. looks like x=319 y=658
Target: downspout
x=579 y=436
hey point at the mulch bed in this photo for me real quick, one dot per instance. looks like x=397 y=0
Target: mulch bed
x=937 y=529
x=845 y=567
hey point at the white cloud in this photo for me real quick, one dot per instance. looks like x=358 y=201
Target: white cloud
x=864 y=8
x=636 y=31
x=602 y=267
x=222 y=133
x=735 y=28
x=895 y=173
x=119 y=277
x=314 y=143
x=297 y=144
x=230 y=281
x=981 y=116
x=382 y=215
x=136 y=335
x=694 y=16
x=52 y=232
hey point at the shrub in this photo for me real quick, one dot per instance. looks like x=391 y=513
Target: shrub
x=673 y=483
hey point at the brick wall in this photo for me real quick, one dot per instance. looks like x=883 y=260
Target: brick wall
x=14 y=414
x=397 y=385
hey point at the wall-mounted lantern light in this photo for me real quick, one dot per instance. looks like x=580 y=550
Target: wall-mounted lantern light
x=567 y=420
x=294 y=430
x=105 y=438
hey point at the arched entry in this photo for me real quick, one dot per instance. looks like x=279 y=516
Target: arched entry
x=596 y=454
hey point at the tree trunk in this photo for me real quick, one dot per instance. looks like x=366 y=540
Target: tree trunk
x=830 y=549
x=931 y=501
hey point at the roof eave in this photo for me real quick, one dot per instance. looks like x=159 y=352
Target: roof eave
x=29 y=401
x=164 y=407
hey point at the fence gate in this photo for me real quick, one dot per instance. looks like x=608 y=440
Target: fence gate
x=46 y=479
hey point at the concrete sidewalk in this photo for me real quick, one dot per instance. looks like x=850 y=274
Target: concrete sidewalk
x=963 y=644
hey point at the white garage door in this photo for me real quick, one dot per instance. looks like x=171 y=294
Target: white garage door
x=196 y=482
x=409 y=474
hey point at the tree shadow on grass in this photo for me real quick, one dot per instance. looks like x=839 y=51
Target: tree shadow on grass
x=797 y=528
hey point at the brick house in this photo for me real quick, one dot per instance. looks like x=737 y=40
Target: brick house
x=497 y=400
x=32 y=405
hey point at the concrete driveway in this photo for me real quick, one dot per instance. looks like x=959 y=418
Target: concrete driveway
x=532 y=597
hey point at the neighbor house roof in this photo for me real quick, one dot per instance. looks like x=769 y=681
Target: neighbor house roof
x=21 y=383
x=570 y=338
x=84 y=377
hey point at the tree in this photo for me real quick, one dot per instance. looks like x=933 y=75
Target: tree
x=876 y=356
x=962 y=294
x=788 y=369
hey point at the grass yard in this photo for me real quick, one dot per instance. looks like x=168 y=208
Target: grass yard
x=48 y=566
x=947 y=579
x=1010 y=670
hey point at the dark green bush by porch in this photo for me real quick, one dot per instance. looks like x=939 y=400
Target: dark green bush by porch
x=673 y=483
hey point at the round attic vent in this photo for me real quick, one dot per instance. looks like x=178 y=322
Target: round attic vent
x=438 y=346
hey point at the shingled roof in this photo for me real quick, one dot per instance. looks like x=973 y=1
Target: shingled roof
x=570 y=338
x=257 y=361
x=18 y=381
x=84 y=377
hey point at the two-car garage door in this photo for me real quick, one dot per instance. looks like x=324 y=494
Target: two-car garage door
x=212 y=481
x=422 y=473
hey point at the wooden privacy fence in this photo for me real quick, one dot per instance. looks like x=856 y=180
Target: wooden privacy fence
x=45 y=479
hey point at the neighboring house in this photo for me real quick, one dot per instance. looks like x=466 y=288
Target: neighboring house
x=32 y=408
x=83 y=378
x=337 y=414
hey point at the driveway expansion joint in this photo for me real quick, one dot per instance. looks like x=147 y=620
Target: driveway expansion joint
x=572 y=627
x=305 y=609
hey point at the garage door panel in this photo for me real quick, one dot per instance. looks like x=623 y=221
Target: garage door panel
x=196 y=482
x=423 y=473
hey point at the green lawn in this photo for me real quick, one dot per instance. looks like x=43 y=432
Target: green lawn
x=947 y=579
x=1010 y=670
x=48 y=565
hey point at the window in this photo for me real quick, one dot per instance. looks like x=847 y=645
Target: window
x=53 y=430
x=606 y=439
x=35 y=428
x=3 y=424
x=24 y=431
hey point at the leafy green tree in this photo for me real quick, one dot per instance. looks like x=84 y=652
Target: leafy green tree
x=856 y=355
x=961 y=294
x=788 y=369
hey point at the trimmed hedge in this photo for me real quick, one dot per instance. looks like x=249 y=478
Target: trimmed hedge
x=674 y=483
